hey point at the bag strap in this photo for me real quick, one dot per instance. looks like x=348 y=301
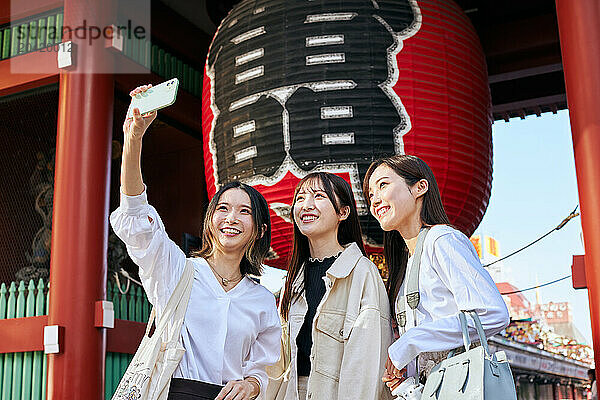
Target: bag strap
x=480 y=331
x=176 y=311
x=411 y=289
x=181 y=293
x=465 y=330
x=150 y=321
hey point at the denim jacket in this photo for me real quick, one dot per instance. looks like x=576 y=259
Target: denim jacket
x=351 y=334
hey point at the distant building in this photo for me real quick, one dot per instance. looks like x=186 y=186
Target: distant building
x=518 y=305
x=559 y=317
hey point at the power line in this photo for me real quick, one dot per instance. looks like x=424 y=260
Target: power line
x=538 y=286
x=573 y=214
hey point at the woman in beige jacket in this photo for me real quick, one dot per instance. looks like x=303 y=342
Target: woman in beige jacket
x=334 y=303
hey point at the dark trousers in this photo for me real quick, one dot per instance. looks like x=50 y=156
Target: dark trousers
x=187 y=389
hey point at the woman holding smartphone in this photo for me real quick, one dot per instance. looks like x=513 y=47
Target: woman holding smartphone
x=231 y=329
x=404 y=198
x=334 y=300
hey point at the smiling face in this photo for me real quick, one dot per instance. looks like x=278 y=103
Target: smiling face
x=313 y=211
x=393 y=203
x=232 y=222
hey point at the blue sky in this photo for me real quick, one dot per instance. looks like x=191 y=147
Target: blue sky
x=534 y=187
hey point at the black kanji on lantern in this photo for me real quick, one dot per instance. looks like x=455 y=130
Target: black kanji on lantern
x=299 y=85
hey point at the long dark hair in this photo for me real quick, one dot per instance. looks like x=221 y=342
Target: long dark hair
x=258 y=246
x=340 y=194
x=412 y=169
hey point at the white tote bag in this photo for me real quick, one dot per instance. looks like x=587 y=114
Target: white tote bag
x=149 y=373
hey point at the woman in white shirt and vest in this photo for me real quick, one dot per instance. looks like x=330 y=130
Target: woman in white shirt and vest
x=231 y=330
x=404 y=198
x=334 y=301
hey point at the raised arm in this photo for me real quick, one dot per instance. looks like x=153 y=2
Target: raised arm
x=133 y=130
x=138 y=224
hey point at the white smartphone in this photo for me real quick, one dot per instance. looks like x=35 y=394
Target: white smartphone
x=155 y=98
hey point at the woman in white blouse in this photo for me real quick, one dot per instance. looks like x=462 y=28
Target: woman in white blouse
x=404 y=197
x=231 y=330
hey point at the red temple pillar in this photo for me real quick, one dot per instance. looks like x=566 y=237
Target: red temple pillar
x=80 y=219
x=579 y=29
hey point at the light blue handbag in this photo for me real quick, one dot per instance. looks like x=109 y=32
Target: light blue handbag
x=474 y=375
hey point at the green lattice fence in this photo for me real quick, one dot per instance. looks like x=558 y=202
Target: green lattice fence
x=23 y=375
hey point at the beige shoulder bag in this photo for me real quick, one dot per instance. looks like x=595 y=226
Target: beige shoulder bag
x=149 y=374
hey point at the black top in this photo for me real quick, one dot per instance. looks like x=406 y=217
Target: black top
x=314 y=288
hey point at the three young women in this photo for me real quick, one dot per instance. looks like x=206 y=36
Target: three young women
x=404 y=198
x=334 y=300
x=231 y=329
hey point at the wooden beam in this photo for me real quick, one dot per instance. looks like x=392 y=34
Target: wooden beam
x=125 y=337
x=578 y=272
x=178 y=35
x=27 y=334
x=524 y=73
x=536 y=88
x=11 y=82
x=522 y=35
x=13 y=10
x=520 y=44
x=537 y=106
x=186 y=111
x=529 y=103
x=22 y=334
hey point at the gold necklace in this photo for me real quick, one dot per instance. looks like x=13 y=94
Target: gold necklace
x=225 y=281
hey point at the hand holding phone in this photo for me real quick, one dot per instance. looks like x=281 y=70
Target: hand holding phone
x=154 y=98
x=136 y=125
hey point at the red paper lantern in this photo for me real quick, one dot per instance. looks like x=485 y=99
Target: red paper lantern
x=297 y=86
